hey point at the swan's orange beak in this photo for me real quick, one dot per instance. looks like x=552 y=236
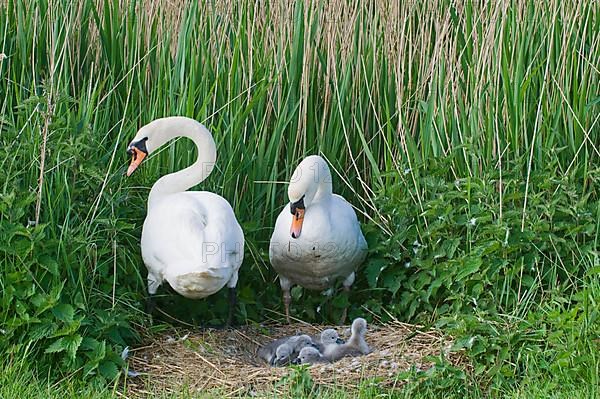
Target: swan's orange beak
x=137 y=156
x=297 y=219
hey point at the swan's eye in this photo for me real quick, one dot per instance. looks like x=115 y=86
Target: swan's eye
x=132 y=152
x=140 y=145
x=294 y=206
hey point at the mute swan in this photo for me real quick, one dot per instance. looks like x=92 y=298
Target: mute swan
x=282 y=355
x=310 y=355
x=356 y=345
x=317 y=237
x=268 y=352
x=191 y=239
x=326 y=338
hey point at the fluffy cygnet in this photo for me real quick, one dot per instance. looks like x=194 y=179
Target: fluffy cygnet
x=310 y=355
x=282 y=355
x=268 y=352
x=326 y=338
x=356 y=345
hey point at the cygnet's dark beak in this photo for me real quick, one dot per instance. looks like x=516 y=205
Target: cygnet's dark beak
x=340 y=341
x=314 y=345
x=296 y=361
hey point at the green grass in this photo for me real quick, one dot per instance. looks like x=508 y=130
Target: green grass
x=403 y=100
x=18 y=381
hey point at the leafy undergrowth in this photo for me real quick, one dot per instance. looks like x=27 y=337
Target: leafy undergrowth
x=524 y=305
x=43 y=315
x=460 y=248
x=521 y=294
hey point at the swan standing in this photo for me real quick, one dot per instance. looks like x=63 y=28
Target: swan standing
x=191 y=239
x=317 y=238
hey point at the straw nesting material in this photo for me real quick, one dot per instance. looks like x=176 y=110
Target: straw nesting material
x=226 y=359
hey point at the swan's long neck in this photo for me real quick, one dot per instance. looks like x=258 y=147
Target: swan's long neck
x=180 y=181
x=354 y=339
x=311 y=179
x=323 y=188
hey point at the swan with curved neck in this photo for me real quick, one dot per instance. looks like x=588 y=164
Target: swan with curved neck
x=159 y=132
x=317 y=238
x=191 y=239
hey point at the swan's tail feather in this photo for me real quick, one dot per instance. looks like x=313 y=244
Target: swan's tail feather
x=198 y=284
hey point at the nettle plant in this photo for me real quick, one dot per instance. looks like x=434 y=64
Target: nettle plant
x=54 y=277
x=456 y=248
x=505 y=287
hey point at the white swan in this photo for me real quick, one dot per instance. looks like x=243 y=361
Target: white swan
x=191 y=239
x=317 y=237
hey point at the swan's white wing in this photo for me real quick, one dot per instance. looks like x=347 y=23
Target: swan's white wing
x=193 y=240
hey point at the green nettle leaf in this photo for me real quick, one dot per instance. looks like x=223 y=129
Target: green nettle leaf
x=72 y=343
x=64 y=312
x=20 y=246
x=89 y=367
x=341 y=301
x=49 y=264
x=38 y=301
x=435 y=284
x=42 y=330
x=56 y=291
x=393 y=280
x=296 y=292
x=99 y=351
x=67 y=329
x=527 y=281
x=469 y=266
x=451 y=246
x=21 y=310
x=108 y=369
x=57 y=346
x=42 y=303
x=374 y=269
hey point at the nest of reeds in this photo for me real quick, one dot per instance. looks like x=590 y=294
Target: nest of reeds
x=225 y=360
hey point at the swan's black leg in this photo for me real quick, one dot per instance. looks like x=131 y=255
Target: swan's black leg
x=232 y=306
x=150 y=304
